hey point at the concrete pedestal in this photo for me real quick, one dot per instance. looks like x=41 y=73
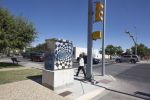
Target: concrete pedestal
x=57 y=79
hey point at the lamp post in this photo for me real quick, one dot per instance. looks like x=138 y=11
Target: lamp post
x=135 y=41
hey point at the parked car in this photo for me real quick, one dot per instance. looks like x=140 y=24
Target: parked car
x=128 y=58
x=25 y=55
x=37 y=56
x=95 y=60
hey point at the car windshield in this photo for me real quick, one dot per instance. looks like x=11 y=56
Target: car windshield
x=126 y=56
x=134 y=56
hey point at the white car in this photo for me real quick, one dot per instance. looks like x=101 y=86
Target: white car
x=128 y=58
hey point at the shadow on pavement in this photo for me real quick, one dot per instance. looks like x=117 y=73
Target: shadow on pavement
x=80 y=79
x=142 y=94
x=37 y=78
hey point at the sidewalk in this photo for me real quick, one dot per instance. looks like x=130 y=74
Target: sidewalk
x=27 y=90
x=31 y=90
x=85 y=90
x=17 y=68
x=144 y=62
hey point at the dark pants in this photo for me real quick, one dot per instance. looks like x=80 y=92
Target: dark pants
x=79 y=68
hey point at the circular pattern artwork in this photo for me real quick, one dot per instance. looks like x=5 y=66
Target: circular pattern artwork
x=63 y=54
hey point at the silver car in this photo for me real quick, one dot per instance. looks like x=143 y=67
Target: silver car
x=128 y=58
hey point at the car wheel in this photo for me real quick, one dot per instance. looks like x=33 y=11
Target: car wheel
x=133 y=61
x=118 y=61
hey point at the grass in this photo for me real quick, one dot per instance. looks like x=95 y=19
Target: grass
x=18 y=75
x=8 y=65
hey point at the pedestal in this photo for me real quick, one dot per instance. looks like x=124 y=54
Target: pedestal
x=58 y=78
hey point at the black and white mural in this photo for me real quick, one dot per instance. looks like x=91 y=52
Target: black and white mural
x=60 y=57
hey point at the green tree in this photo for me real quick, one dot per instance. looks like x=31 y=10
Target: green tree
x=142 y=50
x=110 y=50
x=40 y=48
x=15 y=32
x=119 y=50
x=6 y=23
x=128 y=51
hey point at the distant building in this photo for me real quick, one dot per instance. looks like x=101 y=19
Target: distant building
x=95 y=54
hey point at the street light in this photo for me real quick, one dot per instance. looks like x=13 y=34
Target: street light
x=135 y=42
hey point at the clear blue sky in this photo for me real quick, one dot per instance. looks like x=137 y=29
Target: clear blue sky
x=68 y=19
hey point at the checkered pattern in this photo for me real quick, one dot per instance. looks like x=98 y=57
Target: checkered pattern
x=63 y=54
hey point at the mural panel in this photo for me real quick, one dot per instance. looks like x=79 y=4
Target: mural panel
x=59 y=56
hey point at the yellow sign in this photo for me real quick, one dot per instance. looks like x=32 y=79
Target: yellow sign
x=96 y=35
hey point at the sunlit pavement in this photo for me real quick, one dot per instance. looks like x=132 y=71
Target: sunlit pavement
x=130 y=80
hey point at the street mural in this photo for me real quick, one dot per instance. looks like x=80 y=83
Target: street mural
x=59 y=55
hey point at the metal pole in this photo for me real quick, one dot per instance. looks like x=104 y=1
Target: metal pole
x=135 y=41
x=89 y=42
x=135 y=48
x=103 y=40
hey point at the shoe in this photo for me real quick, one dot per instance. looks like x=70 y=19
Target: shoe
x=75 y=75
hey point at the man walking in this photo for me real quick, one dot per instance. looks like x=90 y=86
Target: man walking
x=81 y=66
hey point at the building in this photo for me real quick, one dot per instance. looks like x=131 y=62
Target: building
x=95 y=54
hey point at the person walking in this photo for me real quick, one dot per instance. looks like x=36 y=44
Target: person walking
x=81 y=66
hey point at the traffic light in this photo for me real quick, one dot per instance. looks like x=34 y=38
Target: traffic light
x=96 y=35
x=99 y=12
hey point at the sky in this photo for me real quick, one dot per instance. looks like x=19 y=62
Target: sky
x=67 y=19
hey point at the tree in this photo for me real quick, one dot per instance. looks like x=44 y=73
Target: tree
x=142 y=50
x=128 y=52
x=6 y=23
x=119 y=50
x=15 y=32
x=40 y=48
x=110 y=50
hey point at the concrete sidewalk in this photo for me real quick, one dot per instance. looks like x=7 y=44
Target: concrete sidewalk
x=31 y=90
x=81 y=90
x=17 y=68
x=27 y=90
x=85 y=90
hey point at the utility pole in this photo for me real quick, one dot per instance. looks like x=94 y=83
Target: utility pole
x=100 y=16
x=103 y=40
x=89 y=42
x=134 y=40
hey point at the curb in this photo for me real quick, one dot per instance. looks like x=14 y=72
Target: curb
x=91 y=95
